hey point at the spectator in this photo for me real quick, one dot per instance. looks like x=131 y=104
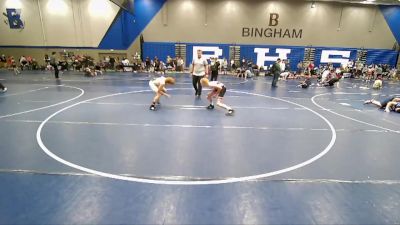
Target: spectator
x=3 y=61
x=14 y=66
x=112 y=63
x=282 y=64
x=23 y=62
x=34 y=64
x=306 y=83
x=299 y=68
x=378 y=83
x=233 y=65
x=180 y=64
x=276 y=70
x=54 y=64
x=224 y=66
x=147 y=64
x=214 y=69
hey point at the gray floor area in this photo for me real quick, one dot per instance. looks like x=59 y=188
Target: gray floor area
x=319 y=155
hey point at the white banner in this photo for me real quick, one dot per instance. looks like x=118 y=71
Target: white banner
x=326 y=56
x=217 y=52
x=262 y=57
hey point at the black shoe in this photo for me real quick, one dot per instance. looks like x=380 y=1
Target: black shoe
x=152 y=107
x=210 y=107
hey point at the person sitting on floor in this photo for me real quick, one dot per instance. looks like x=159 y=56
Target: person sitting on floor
x=306 y=83
x=89 y=72
x=248 y=74
x=330 y=80
x=325 y=76
x=378 y=83
x=287 y=75
x=97 y=70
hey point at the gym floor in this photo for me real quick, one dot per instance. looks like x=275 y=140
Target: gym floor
x=89 y=151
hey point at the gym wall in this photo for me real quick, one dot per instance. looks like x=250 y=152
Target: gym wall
x=328 y=24
x=96 y=26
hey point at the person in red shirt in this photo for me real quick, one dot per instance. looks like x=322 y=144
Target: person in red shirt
x=310 y=68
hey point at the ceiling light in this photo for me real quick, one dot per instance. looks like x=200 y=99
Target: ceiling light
x=15 y=4
x=57 y=7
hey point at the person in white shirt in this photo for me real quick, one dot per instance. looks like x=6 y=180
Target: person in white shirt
x=283 y=65
x=180 y=65
x=325 y=76
x=125 y=62
x=285 y=75
x=23 y=62
x=378 y=84
x=350 y=64
x=225 y=66
x=233 y=66
x=158 y=86
x=199 y=70
x=218 y=91
x=393 y=73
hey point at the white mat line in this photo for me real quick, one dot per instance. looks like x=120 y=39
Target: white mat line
x=165 y=125
x=317 y=181
x=21 y=93
x=189 y=126
x=46 y=107
x=233 y=106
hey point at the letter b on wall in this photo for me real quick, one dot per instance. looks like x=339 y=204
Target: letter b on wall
x=273 y=19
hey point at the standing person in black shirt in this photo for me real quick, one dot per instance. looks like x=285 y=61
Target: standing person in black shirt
x=276 y=71
x=214 y=69
x=3 y=61
x=54 y=64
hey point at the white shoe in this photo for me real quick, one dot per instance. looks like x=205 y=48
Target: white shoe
x=4 y=90
x=368 y=102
